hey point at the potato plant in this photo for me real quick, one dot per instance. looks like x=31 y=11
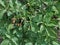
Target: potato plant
x=29 y=22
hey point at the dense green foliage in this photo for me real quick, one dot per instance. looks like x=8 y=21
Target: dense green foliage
x=29 y=22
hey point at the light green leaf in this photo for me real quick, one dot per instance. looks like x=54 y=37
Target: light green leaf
x=28 y=43
x=41 y=28
x=2 y=3
x=55 y=9
x=50 y=24
x=55 y=43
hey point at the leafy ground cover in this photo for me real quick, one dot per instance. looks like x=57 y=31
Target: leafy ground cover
x=29 y=22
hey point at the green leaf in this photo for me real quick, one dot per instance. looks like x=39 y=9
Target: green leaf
x=47 y=32
x=50 y=25
x=14 y=39
x=55 y=9
x=2 y=13
x=2 y=3
x=37 y=18
x=10 y=26
x=41 y=28
x=28 y=43
x=55 y=43
x=5 y=42
x=11 y=3
x=47 y=17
